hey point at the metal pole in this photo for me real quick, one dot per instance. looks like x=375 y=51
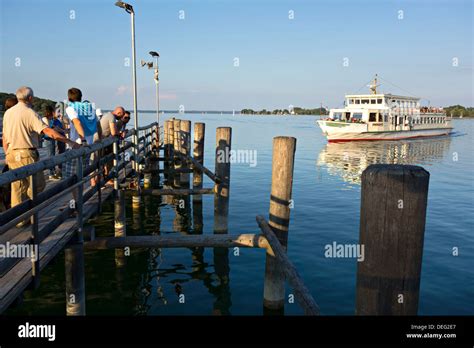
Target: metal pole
x=157 y=81
x=135 y=113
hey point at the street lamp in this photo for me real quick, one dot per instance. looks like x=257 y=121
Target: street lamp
x=129 y=9
x=154 y=65
x=156 y=55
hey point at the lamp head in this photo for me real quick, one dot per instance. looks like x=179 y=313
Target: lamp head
x=154 y=54
x=125 y=6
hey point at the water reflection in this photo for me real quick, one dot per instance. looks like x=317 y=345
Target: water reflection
x=349 y=159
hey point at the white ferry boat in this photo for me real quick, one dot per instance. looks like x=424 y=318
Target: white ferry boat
x=383 y=117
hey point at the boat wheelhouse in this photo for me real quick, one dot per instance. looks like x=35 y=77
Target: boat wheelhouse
x=383 y=117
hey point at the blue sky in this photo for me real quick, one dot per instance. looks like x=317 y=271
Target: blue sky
x=282 y=61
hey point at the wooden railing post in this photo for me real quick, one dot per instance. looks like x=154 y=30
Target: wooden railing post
x=392 y=227
x=222 y=168
x=198 y=154
x=185 y=150
x=35 y=257
x=279 y=219
x=74 y=256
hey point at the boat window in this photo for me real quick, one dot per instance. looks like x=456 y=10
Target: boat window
x=365 y=101
x=351 y=101
x=357 y=101
x=379 y=101
x=357 y=115
x=372 y=101
x=337 y=115
x=385 y=118
x=373 y=117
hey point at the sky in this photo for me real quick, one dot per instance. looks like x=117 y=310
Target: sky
x=225 y=55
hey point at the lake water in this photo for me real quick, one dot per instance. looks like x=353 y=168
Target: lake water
x=326 y=193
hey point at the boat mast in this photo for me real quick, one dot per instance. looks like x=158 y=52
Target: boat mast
x=373 y=87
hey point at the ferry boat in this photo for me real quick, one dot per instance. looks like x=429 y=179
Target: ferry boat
x=383 y=117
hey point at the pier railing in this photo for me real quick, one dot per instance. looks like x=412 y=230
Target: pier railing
x=29 y=209
x=387 y=281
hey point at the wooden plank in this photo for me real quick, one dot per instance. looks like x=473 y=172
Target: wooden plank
x=177 y=192
x=180 y=241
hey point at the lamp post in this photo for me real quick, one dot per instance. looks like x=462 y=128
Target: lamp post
x=156 y=55
x=154 y=65
x=129 y=9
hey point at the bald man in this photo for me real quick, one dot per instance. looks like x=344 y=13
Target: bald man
x=108 y=121
x=108 y=124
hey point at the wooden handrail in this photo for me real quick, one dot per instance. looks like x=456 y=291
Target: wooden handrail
x=30 y=169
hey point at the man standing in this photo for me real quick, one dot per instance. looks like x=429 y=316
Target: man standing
x=22 y=127
x=48 y=119
x=83 y=125
x=108 y=124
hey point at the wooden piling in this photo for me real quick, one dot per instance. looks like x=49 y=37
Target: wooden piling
x=392 y=226
x=198 y=154
x=222 y=168
x=166 y=143
x=185 y=126
x=177 y=149
x=75 y=287
x=279 y=219
x=119 y=214
x=147 y=180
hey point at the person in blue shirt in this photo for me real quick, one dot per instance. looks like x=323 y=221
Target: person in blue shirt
x=50 y=144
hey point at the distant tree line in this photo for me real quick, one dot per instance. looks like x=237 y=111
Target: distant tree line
x=39 y=104
x=458 y=110
x=294 y=111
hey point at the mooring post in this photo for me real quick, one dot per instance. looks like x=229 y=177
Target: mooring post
x=74 y=257
x=119 y=196
x=35 y=257
x=171 y=141
x=279 y=220
x=392 y=227
x=166 y=142
x=177 y=149
x=222 y=168
x=198 y=154
x=75 y=289
x=185 y=150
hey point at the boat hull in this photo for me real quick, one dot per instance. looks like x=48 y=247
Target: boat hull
x=360 y=133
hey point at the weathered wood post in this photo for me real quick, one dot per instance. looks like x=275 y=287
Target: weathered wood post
x=74 y=257
x=166 y=146
x=35 y=257
x=185 y=150
x=119 y=196
x=222 y=189
x=221 y=207
x=75 y=290
x=392 y=226
x=279 y=219
x=177 y=149
x=198 y=154
x=171 y=140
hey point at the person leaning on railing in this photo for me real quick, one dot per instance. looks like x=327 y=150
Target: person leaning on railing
x=22 y=128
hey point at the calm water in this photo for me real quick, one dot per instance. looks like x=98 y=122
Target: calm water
x=326 y=194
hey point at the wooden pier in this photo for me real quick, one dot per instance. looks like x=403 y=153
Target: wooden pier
x=165 y=159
